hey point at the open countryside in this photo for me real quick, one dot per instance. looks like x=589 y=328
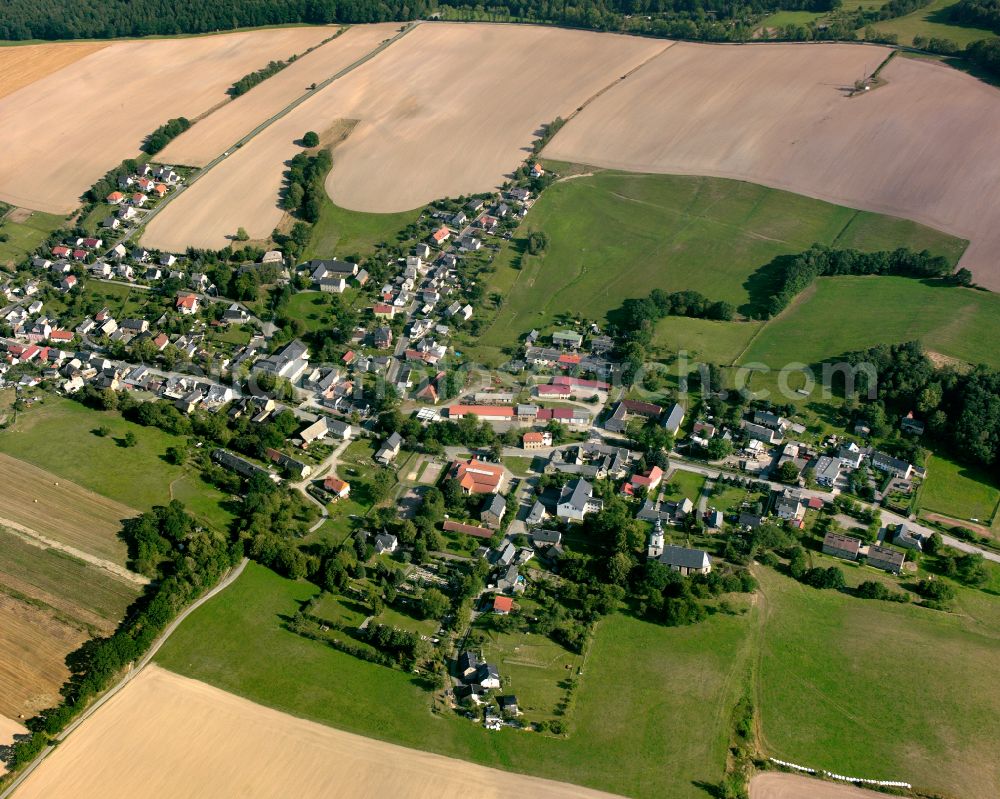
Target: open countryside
x=433 y=400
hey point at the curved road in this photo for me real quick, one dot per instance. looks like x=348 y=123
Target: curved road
x=228 y=579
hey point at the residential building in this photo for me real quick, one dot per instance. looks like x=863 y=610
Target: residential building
x=827 y=471
x=674 y=419
x=477 y=477
x=886 y=559
x=389 y=450
x=493 y=511
x=577 y=500
x=841 y=546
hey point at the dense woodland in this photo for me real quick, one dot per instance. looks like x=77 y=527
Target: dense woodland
x=981 y=13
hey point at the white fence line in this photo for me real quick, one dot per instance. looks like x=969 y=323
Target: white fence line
x=832 y=776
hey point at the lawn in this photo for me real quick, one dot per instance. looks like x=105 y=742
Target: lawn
x=618 y=235
x=58 y=435
x=341 y=233
x=25 y=236
x=932 y=21
x=684 y=485
x=783 y=18
x=962 y=492
x=518 y=465
x=840 y=314
x=881 y=690
x=655 y=698
x=312 y=309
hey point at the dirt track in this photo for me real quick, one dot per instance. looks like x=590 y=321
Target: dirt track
x=923 y=146
x=63 y=131
x=775 y=785
x=166 y=736
x=447 y=109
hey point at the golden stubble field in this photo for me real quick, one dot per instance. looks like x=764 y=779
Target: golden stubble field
x=778 y=785
x=447 y=109
x=61 y=510
x=61 y=132
x=924 y=146
x=222 y=128
x=21 y=65
x=166 y=736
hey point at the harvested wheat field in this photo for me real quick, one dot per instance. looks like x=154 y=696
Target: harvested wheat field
x=165 y=736
x=222 y=128
x=36 y=501
x=776 y=785
x=447 y=109
x=923 y=146
x=63 y=131
x=33 y=647
x=21 y=65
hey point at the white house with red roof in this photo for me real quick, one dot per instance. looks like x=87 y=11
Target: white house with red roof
x=187 y=304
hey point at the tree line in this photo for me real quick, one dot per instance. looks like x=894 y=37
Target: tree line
x=978 y=13
x=247 y=82
x=305 y=191
x=795 y=273
x=163 y=135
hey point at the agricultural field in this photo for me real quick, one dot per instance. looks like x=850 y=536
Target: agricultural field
x=830 y=697
x=673 y=739
x=224 y=127
x=23 y=64
x=960 y=324
x=779 y=115
x=931 y=21
x=776 y=785
x=120 y=92
x=671 y=232
x=413 y=117
x=58 y=435
x=25 y=230
x=960 y=492
x=167 y=736
x=50 y=603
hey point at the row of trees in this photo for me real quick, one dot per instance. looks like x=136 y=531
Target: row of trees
x=162 y=136
x=304 y=192
x=794 y=273
x=247 y=82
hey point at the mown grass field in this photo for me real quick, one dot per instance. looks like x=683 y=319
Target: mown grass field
x=655 y=698
x=25 y=235
x=882 y=690
x=960 y=491
x=932 y=21
x=841 y=314
x=58 y=435
x=616 y=235
x=344 y=233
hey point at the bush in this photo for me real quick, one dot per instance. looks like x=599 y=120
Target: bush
x=310 y=139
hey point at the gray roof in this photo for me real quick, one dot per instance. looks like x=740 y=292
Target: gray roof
x=546 y=536
x=675 y=418
x=576 y=494
x=496 y=505
x=682 y=557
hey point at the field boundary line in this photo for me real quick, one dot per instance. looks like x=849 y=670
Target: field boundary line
x=227 y=579
x=35 y=538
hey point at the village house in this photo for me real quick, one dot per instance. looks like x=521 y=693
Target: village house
x=576 y=500
x=389 y=450
x=628 y=409
x=493 y=511
x=187 y=304
x=340 y=489
x=841 y=546
x=674 y=419
x=536 y=440
x=477 y=477
x=886 y=559
x=385 y=542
